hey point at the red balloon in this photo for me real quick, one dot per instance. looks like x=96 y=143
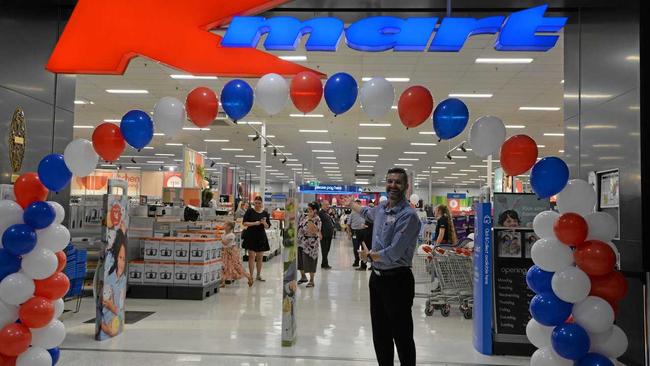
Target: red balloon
x=53 y=287
x=7 y=361
x=571 y=229
x=518 y=154
x=610 y=287
x=37 y=312
x=415 y=106
x=63 y=260
x=306 y=91
x=595 y=258
x=15 y=339
x=108 y=141
x=202 y=106
x=28 y=189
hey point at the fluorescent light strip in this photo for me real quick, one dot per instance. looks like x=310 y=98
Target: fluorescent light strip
x=375 y=124
x=161 y=154
x=294 y=58
x=423 y=144
x=328 y=163
x=392 y=80
x=249 y=123
x=469 y=170
x=322 y=151
x=459 y=174
x=368 y=155
x=427 y=133
x=196 y=129
x=113 y=120
x=320 y=142
x=155 y=162
x=459 y=157
x=298 y=115
x=539 y=108
x=369 y=148
x=313 y=131
x=415 y=152
x=445 y=162
x=470 y=95
x=367 y=161
x=371 y=138
x=192 y=77
x=365 y=166
x=253 y=161
x=408 y=159
x=487 y=60
x=83 y=127
x=364 y=170
x=478 y=166
x=294 y=164
x=231 y=149
x=173 y=144
x=326 y=157
x=216 y=140
x=127 y=91
x=554 y=134
x=133 y=167
x=244 y=156
x=158 y=134
x=515 y=126
x=267 y=136
x=403 y=164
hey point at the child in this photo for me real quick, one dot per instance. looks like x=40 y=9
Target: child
x=233 y=268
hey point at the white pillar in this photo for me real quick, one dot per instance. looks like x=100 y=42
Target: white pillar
x=263 y=162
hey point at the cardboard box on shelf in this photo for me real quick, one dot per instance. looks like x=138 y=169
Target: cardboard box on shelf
x=182 y=250
x=181 y=274
x=200 y=250
x=197 y=274
x=136 y=272
x=150 y=272
x=151 y=249
x=166 y=249
x=166 y=272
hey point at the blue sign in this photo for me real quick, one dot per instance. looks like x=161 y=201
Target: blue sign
x=456 y=196
x=483 y=279
x=329 y=189
x=517 y=32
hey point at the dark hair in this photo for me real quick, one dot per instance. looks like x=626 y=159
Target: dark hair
x=508 y=214
x=258 y=198
x=399 y=171
x=313 y=205
x=119 y=243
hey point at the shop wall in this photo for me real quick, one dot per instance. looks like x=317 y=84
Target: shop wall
x=28 y=32
x=603 y=131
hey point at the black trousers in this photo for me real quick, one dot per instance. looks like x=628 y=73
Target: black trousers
x=391 y=300
x=357 y=238
x=325 y=245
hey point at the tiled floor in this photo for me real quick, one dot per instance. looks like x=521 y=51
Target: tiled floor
x=241 y=326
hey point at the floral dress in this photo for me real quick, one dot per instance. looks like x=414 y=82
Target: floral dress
x=232 y=266
x=309 y=242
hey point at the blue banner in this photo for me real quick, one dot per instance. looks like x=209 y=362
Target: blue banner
x=330 y=189
x=483 y=279
x=460 y=196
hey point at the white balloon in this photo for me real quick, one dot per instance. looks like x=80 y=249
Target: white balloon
x=8 y=313
x=16 y=288
x=578 y=196
x=50 y=336
x=611 y=343
x=10 y=214
x=571 y=284
x=539 y=335
x=59 y=210
x=543 y=224
x=34 y=356
x=547 y=357
x=383 y=199
x=414 y=199
x=377 y=96
x=551 y=255
x=59 y=307
x=40 y=263
x=80 y=157
x=487 y=135
x=53 y=237
x=602 y=226
x=594 y=314
x=272 y=93
x=169 y=116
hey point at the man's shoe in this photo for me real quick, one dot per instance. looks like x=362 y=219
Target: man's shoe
x=326 y=267
x=355 y=264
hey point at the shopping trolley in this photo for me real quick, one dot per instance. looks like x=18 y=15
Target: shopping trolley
x=451 y=285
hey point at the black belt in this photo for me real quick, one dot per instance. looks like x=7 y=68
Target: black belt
x=390 y=272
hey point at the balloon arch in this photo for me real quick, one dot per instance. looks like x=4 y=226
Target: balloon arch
x=574 y=274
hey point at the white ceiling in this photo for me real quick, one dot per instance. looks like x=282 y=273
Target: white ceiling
x=536 y=84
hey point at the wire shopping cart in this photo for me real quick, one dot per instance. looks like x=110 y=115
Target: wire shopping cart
x=451 y=285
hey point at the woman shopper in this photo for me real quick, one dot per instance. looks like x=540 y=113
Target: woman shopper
x=256 y=221
x=445 y=231
x=309 y=236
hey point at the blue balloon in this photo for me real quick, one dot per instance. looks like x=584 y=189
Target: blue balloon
x=39 y=215
x=53 y=172
x=450 y=118
x=9 y=263
x=341 y=92
x=137 y=128
x=549 y=310
x=570 y=341
x=549 y=176
x=539 y=280
x=19 y=239
x=594 y=359
x=237 y=99
x=55 y=353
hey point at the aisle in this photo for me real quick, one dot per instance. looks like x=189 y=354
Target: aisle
x=242 y=326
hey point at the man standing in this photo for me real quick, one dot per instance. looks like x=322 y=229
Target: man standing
x=357 y=224
x=392 y=287
x=327 y=232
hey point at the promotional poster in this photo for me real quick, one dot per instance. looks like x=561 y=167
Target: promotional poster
x=194 y=169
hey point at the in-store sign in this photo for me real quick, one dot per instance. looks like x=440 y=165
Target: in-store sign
x=482 y=310
x=313 y=183
x=100 y=37
x=517 y=32
x=329 y=189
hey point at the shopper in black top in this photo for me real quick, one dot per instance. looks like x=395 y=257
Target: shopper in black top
x=327 y=232
x=445 y=230
x=256 y=221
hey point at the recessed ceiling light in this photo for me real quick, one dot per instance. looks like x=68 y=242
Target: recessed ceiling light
x=600 y=146
x=375 y=124
x=408 y=159
x=216 y=140
x=294 y=164
x=178 y=160
x=452 y=177
x=322 y=151
x=113 y=120
x=541 y=146
x=253 y=161
x=326 y=157
x=328 y=163
x=365 y=166
x=244 y=156
x=368 y=155
x=155 y=162
x=459 y=174
x=486 y=60
x=192 y=77
x=470 y=95
x=158 y=134
x=478 y=166
x=415 y=152
x=588 y=96
x=555 y=134
x=371 y=138
x=445 y=162
x=127 y=91
x=83 y=102
x=423 y=144
x=439 y=167
x=298 y=115
x=292 y=159
x=539 y=108
x=599 y=127
x=369 y=148
x=392 y=80
x=561 y=151
x=161 y=154
x=361 y=183
x=83 y=127
x=633 y=58
x=320 y=142
x=469 y=170
x=294 y=58
x=313 y=131
x=393 y=107
x=173 y=144
x=403 y=164
x=231 y=149
x=427 y=133
x=133 y=167
x=367 y=161
x=515 y=126
x=251 y=123
x=364 y=170
x=459 y=157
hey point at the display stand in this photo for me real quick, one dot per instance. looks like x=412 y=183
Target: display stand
x=290 y=272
